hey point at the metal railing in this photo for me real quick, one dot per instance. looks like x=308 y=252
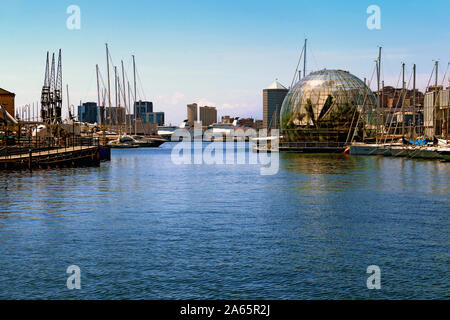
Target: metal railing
x=311 y=145
x=29 y=145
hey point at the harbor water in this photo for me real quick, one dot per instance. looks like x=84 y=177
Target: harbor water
x=143 y=227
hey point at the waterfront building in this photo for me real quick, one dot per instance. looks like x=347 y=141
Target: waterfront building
x=436 y=112
x=391 y=97
x=192 y=114
x=88 y=112
x=321 y=107
x=259 y=124
x=226 y=119
x=273 y=97
x=247 y=122
x=144 y=112
x=115 y=115
x=208 y=115
x=7 y=101
x=154 y=117
x=143 y=107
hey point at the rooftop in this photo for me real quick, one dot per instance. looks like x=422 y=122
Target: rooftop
x=276 y=85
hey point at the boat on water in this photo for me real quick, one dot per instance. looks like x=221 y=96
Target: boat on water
x=416 y=152
x=166 y=132
x=136 y=142
x=367 y=149
x=445 y=154
x=123 y=142
x=148 y=142
x=418 y=149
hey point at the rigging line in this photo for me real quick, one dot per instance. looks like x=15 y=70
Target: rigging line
x=445 y=74
x=314 y=57
x=396 y=106
x=140 y=83
x=298 y=64
x=402 y=92
x=101 y=79
x=89 y=87
x=363 y=109
x=403 y=104
x=429 y=80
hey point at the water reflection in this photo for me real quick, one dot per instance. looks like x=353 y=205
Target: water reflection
x=319 y=163
x=142 y=227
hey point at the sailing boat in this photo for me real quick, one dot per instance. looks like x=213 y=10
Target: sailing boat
x=376 y=148
x=124 y=140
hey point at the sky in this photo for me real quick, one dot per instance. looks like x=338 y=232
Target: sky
x=219 y=53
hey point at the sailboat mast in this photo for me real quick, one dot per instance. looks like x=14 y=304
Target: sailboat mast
x=115 y=84
x=414 y=102
x=100 y=120
x=124 y=95
x=377 y=113
x=379 y=94
x=135 y=97
x=437 y=73
x=109 y=84
x=129 y=104
x=403 y=100
x=304 y=60
x=117 y=97
x=68 y=103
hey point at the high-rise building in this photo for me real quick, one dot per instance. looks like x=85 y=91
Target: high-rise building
x=88 y=112
x=208 y=115
x=144 y=111
x=192 y=114
x=273 y=97
x=143 y=107
x=115 y=115
x=154 y=117
x=7 y=101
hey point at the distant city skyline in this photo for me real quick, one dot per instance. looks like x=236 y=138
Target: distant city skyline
x=220 y=54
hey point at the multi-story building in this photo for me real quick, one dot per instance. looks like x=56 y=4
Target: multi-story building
x=143 y=107
x=437 y=112
x=273 y=97
x=7 y=101
x=391 y=97
x=144 y=112
x=154 y=117
x=208 y=115
x=192 y=114
x=247 y=122
x=115 y=115
x=227 y=119
x=88 y=112
x=259 y=124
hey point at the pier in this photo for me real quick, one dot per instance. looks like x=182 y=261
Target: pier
x=45 y=154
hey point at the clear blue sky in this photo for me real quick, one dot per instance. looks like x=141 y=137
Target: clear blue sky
x=215 y=52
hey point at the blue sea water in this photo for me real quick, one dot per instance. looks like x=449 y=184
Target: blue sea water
x=141 y=227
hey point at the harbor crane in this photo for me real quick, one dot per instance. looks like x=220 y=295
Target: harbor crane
x=51 y=96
